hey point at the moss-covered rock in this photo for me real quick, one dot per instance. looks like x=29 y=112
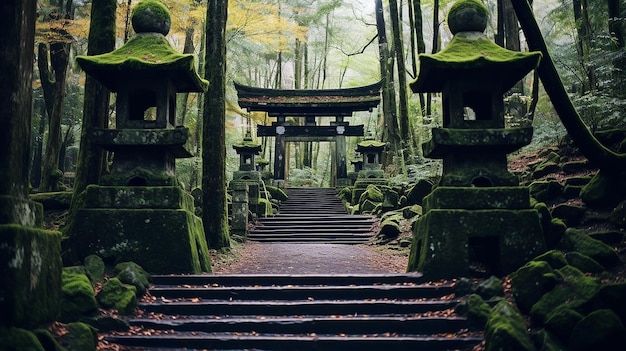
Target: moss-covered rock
x=276 y=192
x=531 y=282
x=390 y=226
x=115 y=294
x=610 y=296
x=131 y=273
x=545 y=190
x=490 y=287
x=554 y=232
x=476 y=310
x=14 y=339
x=94 y=268
x=409 y=212
x=77 y=297
x=604 y=190
x=415 y=194
x=106 y=323
x=562 y=320
x=583 y=262
x=80 y=337
x=47 y=340
x=506 y=330
x=545 y=341
x=555 y=258
x=578 y=240
x=570 y=214
x=599 y=330
x=576 y=289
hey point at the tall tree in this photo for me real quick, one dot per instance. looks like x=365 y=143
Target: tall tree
x=214 y=206
x=403 y=106
x=583 y=43
x=53 y=60
x=91 y=160
x=391 y=131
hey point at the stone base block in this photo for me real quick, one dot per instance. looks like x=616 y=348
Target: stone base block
x=30 y=283
x=445 y=241
x=160 y=240
x=470 y=198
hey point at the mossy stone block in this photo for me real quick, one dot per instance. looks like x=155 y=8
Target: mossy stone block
x=53 y=201
x=136 y=197
x=115 y=294
x=416 y=194
x=604 y=190
x=562 y=320
x=20 y=211
x=472 y=198
x=476 y=310
x=78 y=297
x=441 y=239
x=159 y=240
x=47 y=340
x=506 y=330
x=491 y=287
x=583 y=262
x=555 y=258
x=30 y=283
x=545 y=190
x=570 y=214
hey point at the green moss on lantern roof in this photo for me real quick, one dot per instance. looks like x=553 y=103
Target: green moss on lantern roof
x=370 y=144
x=472 y=55
x=145 y=54
x=248 y=145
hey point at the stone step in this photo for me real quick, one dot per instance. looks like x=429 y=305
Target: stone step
x=297 y=312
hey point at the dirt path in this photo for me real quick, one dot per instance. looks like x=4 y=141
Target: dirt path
x=279 y=258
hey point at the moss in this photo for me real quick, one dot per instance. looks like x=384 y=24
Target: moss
x=94 y=268
x=19 y=339
x=132 y=274
x=78 y=298
x=115 y=294
x=583 y=262
x=574 y=289
x=276 y=193
x=370 y=144
x=578 y=240
x=477 y=312
x=531 y=282
x=506 y=330
x=562 y=320
x=600 y=330
x=80 y=337
x=468 y=15
x=30 y=283
x=47 y=340
x=554 y=258
x=53 y=201
x=151 y=16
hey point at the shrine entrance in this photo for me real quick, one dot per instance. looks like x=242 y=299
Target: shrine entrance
x=309 y=104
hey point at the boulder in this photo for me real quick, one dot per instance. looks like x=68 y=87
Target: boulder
x=415 y=195
x=531 y=282
x=583 y=262
x=19 y=339
x=562 y=320
x=599 y=330
x=77 y=296
x=578 y=240
x=476 y=310
x=555 y=258
x=115 y=294
x=94 y=268
x=570 y=214
x=80 y=337
x=490 y=287
x=131 y=273
x=506 y=330
x=545 y=190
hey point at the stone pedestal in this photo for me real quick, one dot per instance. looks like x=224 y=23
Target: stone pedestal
x=239 y=210
x=492 y=229
x=154 y=227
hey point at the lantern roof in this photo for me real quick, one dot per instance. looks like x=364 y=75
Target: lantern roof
x=470 y=54
x=148 y=53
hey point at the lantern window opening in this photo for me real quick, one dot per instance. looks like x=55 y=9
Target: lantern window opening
x=142 y=105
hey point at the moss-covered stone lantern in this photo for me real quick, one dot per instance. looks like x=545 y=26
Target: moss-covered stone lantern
x=371 y=171
x=477 y=215
x=138 y=211
x=247 y=151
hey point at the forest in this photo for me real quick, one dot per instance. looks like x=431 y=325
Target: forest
x=295 y=44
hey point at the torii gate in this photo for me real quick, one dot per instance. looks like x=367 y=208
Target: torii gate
x=309 y=104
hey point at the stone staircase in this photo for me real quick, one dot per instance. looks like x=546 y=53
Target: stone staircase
x=297 y=312
x=313 y=215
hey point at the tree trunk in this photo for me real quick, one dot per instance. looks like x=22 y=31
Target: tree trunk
x=91 y=160
x=598 y=154
x=188 y=48
x=617 y=29
x=583 y=41
x=417 y=33
x=403 y=108
x=390 y=129
x=214 y=206
x=17 y=52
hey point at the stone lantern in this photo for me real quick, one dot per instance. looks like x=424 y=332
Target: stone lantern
x=138 y=211
x=247 y=151
x=477 y=215
x=371 y=172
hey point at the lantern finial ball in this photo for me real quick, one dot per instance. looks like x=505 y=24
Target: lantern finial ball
x=151 y=16
x=468 y=16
